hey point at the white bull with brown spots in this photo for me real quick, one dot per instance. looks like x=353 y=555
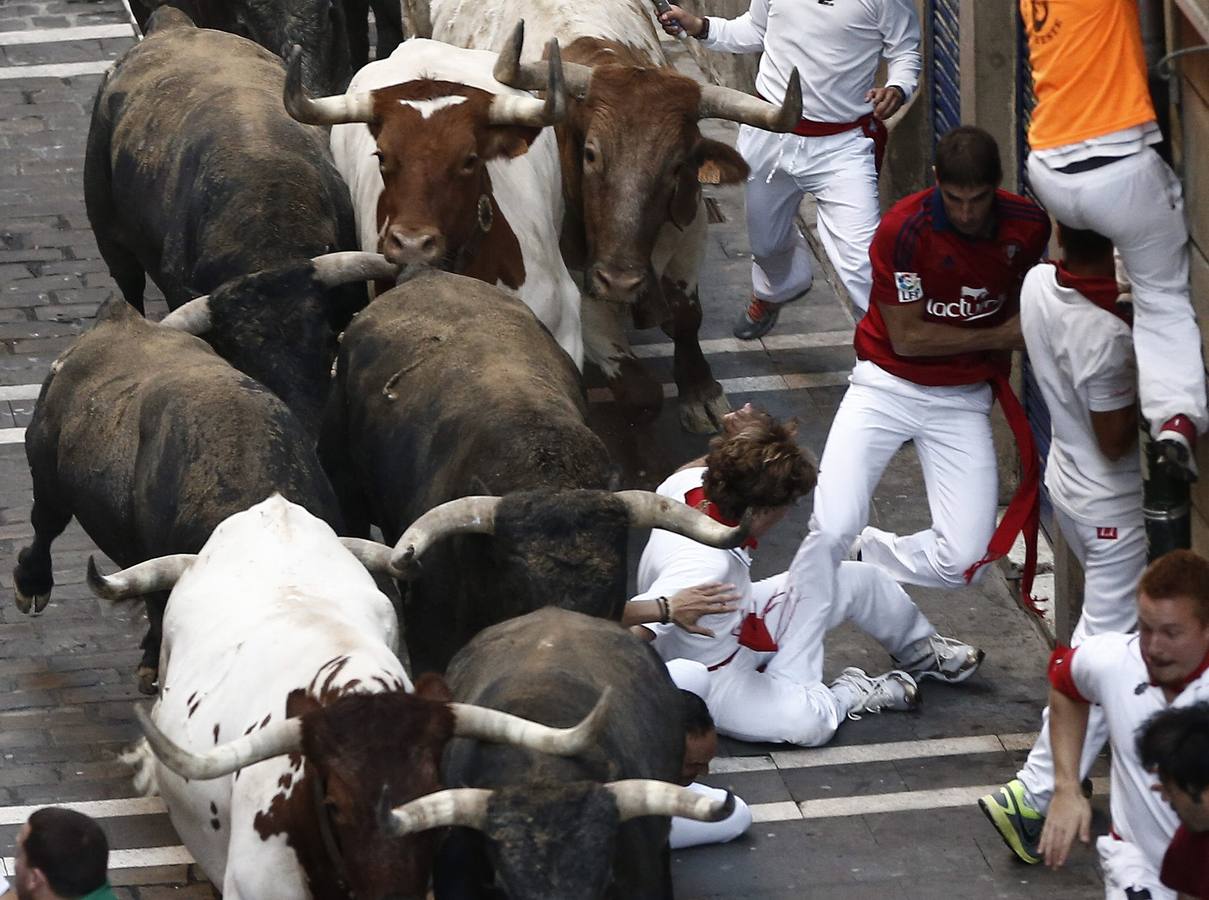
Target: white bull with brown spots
x=632 y=157
x=286 y=727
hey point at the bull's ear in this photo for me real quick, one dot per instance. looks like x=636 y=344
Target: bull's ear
x=719 y=163
x=431 y=686
x=508 y=140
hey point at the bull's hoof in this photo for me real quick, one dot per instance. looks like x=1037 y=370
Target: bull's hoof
x=33 y=604
x=703 y=415
x=147 y=678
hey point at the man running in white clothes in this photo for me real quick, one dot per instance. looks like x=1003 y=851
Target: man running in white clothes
x=835 y=151
x=1092 y=164
x=1081 y=353
x=1132 y=677
x=765 y=658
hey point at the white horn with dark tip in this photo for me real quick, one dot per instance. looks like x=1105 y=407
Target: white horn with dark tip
x=509 y=109
x=466 y=807
x=335 y=269
x=651 y=510
x=499 y=727
x=192 y=317
x=511 y=71
x=727 y=103
x=647 y=797
x=265 y=743
x=160 y=574
x=338 y=110
x=373 y=555
x=466 y=515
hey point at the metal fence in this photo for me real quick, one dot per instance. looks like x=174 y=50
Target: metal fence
x=945 y=73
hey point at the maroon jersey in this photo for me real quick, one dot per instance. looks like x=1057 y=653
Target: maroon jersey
x=918 y=257
x=1186 y=865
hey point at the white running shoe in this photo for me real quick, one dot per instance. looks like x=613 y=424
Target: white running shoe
x=894 y=690
x=939 y=657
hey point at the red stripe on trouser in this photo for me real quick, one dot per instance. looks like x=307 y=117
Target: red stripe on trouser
x=1023 y=514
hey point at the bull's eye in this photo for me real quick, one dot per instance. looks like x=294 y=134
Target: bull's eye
x=589 y=154
x=470 y=163
x=381 y=164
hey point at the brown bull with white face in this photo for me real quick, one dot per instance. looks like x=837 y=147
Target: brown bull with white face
x=454 y=171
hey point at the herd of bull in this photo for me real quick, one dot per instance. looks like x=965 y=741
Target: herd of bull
x=217 y=455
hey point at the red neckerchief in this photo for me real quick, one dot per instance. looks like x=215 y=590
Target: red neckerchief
x=1099 y=289
x=1192 y=676
x=697 y=500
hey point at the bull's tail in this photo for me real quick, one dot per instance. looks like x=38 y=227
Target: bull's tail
x=143 y=762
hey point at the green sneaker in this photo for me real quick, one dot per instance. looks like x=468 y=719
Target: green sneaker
x=1017 y=823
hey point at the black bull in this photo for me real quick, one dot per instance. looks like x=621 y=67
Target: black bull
x=195 y=174
x=551 y=830
x=150 y=440
x=448 y=387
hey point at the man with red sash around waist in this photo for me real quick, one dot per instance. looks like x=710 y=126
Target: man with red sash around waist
x=1131 y=677
x=836 y=150
x=764 y=657
x=932 y=351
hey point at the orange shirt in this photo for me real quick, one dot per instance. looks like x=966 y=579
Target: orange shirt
x=1089 y=70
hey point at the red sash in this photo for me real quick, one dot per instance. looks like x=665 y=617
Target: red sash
x=872 y=127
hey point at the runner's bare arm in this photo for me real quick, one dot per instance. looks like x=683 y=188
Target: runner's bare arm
x=1069 y=811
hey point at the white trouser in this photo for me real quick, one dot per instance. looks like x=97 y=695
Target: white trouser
x=691 y=833
x=788 y=701
x=1111 y=570
x=838 y=170
x=957 y=455
x=1137 y=203
x=1126 y=868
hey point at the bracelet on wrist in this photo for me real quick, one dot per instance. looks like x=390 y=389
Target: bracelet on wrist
x=704 y=33
x=665 y=610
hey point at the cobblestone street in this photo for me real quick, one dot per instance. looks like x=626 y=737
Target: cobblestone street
x=887 y=810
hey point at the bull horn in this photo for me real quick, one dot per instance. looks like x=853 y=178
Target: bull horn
x=272 y=740
x=647 y=797
x=158 y=574
x=650 y=510
x=371 y=554
x=508 y=109
x=727 y=103
x=338 y=110
x=511 y=71
x=335 y=269
x=489 y=724
x=466 y=807
x=192 y=317
x=466 y=515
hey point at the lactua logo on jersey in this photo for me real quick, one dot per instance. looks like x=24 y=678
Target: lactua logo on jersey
x=974 y=304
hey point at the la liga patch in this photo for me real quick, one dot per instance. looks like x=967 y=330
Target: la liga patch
x=908 y=286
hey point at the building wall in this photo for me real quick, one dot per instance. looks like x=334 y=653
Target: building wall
x=1190 y=145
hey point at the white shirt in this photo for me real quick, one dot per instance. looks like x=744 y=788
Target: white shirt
x=671 y=562
x=1108 y=669
x=1082 y=357
x=834 y=46
x=1125 y=142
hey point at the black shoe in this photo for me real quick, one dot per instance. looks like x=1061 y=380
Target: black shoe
x=757 y=320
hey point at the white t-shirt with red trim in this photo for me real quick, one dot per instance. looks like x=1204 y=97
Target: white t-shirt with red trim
x=1108 y=669
x=1082 y=357
x=671 y=562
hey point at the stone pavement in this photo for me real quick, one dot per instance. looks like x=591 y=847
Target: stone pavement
x=886 y=810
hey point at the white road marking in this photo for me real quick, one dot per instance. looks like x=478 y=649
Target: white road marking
x=98 y=809
x=754 y=385
x=20 y=391
x=820 y=339
x=139 y=858
x=56 y=70
x=12 y=435
x=63 y=35
x=867 y=753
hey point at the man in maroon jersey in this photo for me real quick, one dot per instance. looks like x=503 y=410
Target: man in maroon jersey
x=932 y=352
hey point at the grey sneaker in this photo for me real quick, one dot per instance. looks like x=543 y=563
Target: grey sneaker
x=942 y=658
x=757 y=319
x=874 y=694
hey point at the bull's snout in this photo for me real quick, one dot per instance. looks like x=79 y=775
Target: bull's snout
x=410 y=246
x=616 y=284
